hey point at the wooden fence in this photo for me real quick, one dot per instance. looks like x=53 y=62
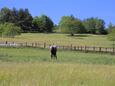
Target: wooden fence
x=60 y=47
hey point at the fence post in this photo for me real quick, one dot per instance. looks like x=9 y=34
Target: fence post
x=35 y=44
x=32 y=44
x=44 y=45
x=75 y=48
x=113 y=50
x=94 y=49
x=71 y=46
x=63 y=47
x=106 y=50
x=6 y=42
x=85 y=49
x=99 y=49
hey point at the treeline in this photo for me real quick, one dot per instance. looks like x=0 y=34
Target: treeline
x=72 y=25
x=23 y=20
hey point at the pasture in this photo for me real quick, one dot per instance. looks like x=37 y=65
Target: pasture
x=33 y=67
x=43 y=55
x=27 y=66
x=55 y=74
x=63 y=39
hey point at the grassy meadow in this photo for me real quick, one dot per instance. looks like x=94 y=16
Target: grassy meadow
x=63 y=39
x=33 y=67
x=55 y=74
x=43 y=55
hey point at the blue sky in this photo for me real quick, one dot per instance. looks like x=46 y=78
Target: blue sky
x=55 y=9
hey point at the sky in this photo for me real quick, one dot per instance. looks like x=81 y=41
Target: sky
x=55 y=9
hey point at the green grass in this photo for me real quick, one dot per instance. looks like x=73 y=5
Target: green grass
x=43 y=55
x=54 y=74
x=63 y=39
x=33 y=67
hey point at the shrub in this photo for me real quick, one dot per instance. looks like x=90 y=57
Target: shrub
x=9 y=30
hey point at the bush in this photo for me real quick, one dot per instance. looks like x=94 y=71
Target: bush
x=9 y=30
x=72 y=25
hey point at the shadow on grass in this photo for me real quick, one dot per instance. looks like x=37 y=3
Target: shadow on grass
x=79 y=36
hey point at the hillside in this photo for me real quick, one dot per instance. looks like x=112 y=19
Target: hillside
x=63 y=39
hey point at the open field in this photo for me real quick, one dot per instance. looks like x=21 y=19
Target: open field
x=63 y=39
x=33 y=66
x=54 y=74
x=43 y=55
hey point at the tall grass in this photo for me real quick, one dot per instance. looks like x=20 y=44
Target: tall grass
x=33 y=67
x=55 y=74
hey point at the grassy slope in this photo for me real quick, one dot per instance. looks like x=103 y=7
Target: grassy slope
x=63 y=39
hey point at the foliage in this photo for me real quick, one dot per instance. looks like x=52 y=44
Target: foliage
x=56 y=28
x=43 y=24
x=21 y=18
x=111 y=36
x=25 y=20
x=94 y=25
x=70 y=24
x=1 y=29
x=110 y=27
x=9 y=30
x=5 y=15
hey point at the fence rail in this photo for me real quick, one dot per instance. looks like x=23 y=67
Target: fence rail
x=62 y=47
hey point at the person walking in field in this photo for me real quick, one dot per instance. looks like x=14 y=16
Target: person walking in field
x=53 y=50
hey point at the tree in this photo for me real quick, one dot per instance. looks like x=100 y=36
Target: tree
x=5 y=14
x=14 y=16
x=43 y=23
x=8 y=15
x=100 y=25
x=25 y=20
x=110 y=27
x=94 y=25
x=56 y=28
x=111 y=36
x=21 y=18
x=1 y=29
x=70 y=24
x=89 y=24
x=9 y=30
